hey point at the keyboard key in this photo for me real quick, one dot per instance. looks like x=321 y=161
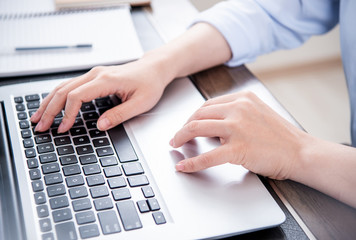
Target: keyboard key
x=81 y=204
x=153 y=204
x=26 y=133
x=28 y=143
x=147 y=191
x=45 y=225
x=121 y=194
x=66 y=160
x=53 y=178
x=101 y=191
x=59 y=141
x=81 y=140
x=65 y=150
x=128 y=215
x=159 y=218
x=91 y=124
x=20 y=107
x=37 y=186
x=75 y=181
x=58 y=202
x=87 y=159
x=78 y=192
x=45 y=148
x=88 y=106
x=21 y=115
x=103 y=102
x=31 y=112
x=47 y=158
x=24 y=124
x=33 y=105
x=109 y=222
x=56 y=134
x=32 y=97
x=108 y=161
x=105 y=151
x=43 y=139
x=66 y=231
x=122 y=144
x=40 y=198
x=42 y=211
x=18 y=99
x=30 y=153
x=96 y=133
x=56 y=122
x=91 y=169
x=112 y=171
x=78 y=131
x=78 y=122
x=56 y=190
x=35 y=174
x=48 y=236
x=101 y=142
x=143 y=206
x=89 y=231
x=136 y=181
x=103 y=203
x=62 y=215
x=50 y=168
x=85 y=217
x=32 y=163
x=91 y=116
x=116 y=182
x=132 y=168
x=71 y=170
x=95 y=180
x=86 y=149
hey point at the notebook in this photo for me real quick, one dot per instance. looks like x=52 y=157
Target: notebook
x=108 y=35
x=120 y=184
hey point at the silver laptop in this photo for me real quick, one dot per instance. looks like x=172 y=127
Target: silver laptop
x=120 y=184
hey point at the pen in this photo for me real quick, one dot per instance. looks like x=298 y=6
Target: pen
x=53 y=47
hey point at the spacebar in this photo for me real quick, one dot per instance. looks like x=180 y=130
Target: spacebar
x=128 y=215
x=122 y=144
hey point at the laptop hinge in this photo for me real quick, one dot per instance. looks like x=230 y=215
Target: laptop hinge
x=11 y=220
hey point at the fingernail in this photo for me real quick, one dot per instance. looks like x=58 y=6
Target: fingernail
x=180 y=167
x=171 y=142
x=38 y=127
x=104 y=124
x=34 y=116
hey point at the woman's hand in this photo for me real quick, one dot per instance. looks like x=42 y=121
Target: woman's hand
x=251 y=135
x=138 y=84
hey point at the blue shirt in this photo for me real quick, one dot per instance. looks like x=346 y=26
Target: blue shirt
x=256 y=27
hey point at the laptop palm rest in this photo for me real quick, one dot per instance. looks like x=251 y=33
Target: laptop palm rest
x=219 y=201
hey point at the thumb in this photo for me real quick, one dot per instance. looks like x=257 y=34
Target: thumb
x=119 y=114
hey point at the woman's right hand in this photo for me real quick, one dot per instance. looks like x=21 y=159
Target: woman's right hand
x=138 y=84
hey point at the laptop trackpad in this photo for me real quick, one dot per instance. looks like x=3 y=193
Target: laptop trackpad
x=232 y=198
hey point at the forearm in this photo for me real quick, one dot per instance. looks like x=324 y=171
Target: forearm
x=329 y=168
x=199 y=48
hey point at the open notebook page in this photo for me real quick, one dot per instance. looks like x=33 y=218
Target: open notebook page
x=110 y=32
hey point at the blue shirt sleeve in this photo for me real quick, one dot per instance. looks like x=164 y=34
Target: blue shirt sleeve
x=256 y=27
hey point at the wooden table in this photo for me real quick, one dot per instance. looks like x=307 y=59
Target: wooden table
x=323 y=216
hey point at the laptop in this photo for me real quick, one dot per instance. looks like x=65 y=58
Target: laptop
x=122 y=183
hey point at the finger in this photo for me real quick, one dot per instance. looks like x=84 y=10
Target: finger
x=206 y=160
x=55 y=101
x=201 y=128
x=78 y=96
x=208 y=112
x=122 y=112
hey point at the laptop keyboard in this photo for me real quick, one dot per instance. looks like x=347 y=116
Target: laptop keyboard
x=82 y=180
